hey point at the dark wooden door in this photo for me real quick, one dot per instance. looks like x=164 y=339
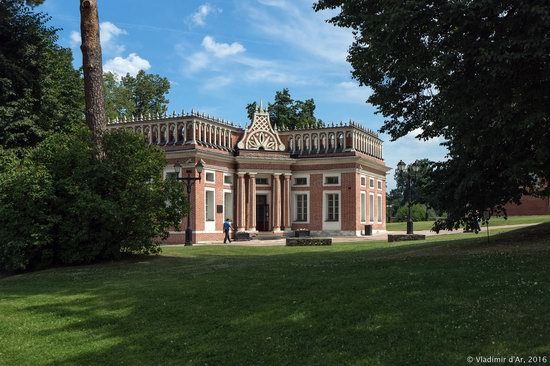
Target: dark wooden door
x=262 y=213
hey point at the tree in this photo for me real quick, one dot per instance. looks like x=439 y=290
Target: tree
x=130 y=96
x=288 y=113
x=40 y=91
x=473 y=73
x=62 y=204
x=93 y=69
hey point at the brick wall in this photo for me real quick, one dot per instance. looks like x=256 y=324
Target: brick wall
x=530 y=206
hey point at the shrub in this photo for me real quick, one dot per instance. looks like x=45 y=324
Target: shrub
x=59 y=203
x=418 y=212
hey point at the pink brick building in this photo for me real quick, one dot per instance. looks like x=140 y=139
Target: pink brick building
x=330 y=180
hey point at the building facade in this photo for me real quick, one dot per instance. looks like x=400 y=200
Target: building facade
x=329 y=180
x=530 y=205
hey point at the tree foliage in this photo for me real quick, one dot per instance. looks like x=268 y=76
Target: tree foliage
x=474 y=73
x=40 y=91
x=60 y=203
x=287 y=112
x=130 y=96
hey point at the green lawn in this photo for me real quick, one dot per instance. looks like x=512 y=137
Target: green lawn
x=419 y=303
x=496 y=221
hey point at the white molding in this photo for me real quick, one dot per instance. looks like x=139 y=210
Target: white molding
x=209 y=226
x=206 y=171
x=300 y=175
x=332 y=174
x=294 y=207
x=232 y=204
x=371 y=207
x=226 y=174
x=332 y=225
x=379 y=209
x=363 y=210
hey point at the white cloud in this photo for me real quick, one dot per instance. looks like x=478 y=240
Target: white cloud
x=108 y=33
x=266 y=75
x=129 y=65
x=75 y=39
x=307 y=31
x=217 y=82
x=222 y=50
x=198 y=18
x=197 y=62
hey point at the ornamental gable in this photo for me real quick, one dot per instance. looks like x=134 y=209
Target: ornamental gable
x=260 y=135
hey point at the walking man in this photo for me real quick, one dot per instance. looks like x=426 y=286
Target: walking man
x=226 y=229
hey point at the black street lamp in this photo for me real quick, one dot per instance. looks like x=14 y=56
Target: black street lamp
x=411 y=173
x=189 y=180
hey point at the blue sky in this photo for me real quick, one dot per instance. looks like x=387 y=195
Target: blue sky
x=221 y=55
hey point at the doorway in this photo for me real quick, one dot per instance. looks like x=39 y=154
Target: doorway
x=262 y=213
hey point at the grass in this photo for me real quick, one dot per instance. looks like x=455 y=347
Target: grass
x=433 y=302
x=496 y=221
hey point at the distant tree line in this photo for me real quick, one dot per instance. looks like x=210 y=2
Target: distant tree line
x=288 y=113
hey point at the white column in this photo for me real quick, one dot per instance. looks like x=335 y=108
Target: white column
x=252 y=201
x=276 y=202
x=241 y=203
x=286 y=203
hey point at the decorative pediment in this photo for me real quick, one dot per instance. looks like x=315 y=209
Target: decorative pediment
x=260 y=135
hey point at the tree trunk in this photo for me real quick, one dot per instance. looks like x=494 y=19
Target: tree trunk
x=93 y=69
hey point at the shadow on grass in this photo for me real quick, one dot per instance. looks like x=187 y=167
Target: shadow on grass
x=313 y=307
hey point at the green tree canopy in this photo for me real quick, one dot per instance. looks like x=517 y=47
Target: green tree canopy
x=40 y=91
x=287 y=112
x=134 y=96
x=475 y=73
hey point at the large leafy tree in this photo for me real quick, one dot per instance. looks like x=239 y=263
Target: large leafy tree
x=477 y=74
x=138 y=95
x=40 y=91
x=286 y=112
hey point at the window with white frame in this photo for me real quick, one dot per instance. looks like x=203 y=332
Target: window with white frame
x=228 y=205
x=209 y=177
x=333 y=207
x=300 y=181
x=209 y=204
x=379 y=184
x=260 y=181
x=371 y=182
x=301 y=207
x=379 y=208
x=332 y=180
x=371 y=207
x=171 y=175
x=228 y=178
x=363 y=181
x=363 y=207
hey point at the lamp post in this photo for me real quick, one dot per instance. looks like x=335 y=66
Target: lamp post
x=412 y=170
x=189 y=180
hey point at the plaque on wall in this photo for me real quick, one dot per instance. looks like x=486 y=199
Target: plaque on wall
x=219 y=209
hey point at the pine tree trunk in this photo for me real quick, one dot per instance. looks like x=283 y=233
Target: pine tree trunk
x=93 y=69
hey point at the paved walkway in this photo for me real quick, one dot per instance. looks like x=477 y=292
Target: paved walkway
x=350 y=239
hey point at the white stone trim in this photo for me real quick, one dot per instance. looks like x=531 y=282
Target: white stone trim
x=332 y=174
x=209 y=226
x=363 y=209
x=300 y=175
x=207 y=171
x=294 y=206
x=332 y=225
